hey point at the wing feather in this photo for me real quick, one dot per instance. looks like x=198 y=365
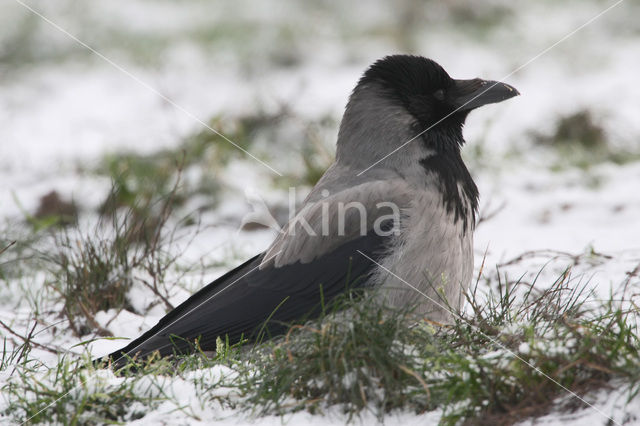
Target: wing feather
x=289 y=281
x=338 y=218
x=238 y=304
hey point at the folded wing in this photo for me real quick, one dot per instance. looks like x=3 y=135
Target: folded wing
x=289 y=282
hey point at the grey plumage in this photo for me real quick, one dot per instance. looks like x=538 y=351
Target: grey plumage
x=420 y=204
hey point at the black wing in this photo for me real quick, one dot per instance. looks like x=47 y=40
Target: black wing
x=239 y=303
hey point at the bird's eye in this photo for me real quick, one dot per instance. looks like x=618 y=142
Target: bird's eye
x=439 y=94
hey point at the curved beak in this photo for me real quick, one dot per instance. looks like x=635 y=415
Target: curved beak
x=466 y=95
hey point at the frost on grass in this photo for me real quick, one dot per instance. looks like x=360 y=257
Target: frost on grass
x=454 y=370
x=498 y=364
x=507 y=358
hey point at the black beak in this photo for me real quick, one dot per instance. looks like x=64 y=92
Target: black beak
x=466 y=95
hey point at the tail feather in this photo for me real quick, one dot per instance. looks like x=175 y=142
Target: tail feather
x=249 y=300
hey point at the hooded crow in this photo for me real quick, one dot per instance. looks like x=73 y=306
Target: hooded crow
x=397 y=206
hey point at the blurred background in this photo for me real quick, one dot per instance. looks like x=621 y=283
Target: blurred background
x=84 y=133
x=118 y=201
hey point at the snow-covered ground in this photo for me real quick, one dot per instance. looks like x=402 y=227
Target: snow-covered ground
x=172 y=65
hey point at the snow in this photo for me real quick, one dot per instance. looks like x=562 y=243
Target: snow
x=58 y=118
x=610 y=403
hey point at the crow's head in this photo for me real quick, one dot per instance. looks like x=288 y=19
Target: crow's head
x=402 y=96
x=427 y=91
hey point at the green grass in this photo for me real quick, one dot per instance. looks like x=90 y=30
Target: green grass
x=495 y=365
x=474 y=370
x=507 y=359
x=94 y=271
x=359 y=359
x=373 y=360
x=71 y=393
x=84 y=268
